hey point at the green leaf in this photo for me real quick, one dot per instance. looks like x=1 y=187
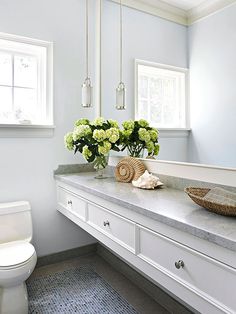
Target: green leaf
x=91 y=159
x=116 y=149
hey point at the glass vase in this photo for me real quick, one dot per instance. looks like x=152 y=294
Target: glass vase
x=100 y=164
x=136 y=151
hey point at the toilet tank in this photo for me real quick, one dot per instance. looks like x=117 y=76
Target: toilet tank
x=15 y=222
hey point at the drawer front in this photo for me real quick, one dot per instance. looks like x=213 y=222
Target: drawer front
x=72 y=202
x=199 y=272
x=114 y=226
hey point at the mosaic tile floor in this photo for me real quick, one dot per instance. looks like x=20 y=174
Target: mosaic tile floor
x=75 y=290
x=135 y=296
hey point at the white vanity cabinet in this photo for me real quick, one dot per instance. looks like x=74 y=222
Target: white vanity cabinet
x=189 y=267
x=72 y=202
x=200 y=273
x=119 y=229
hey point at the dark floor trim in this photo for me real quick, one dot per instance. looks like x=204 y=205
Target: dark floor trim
x=158 y=294
x=65 y=255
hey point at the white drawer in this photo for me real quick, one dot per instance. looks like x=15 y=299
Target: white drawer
x=114 y=226
x=72 y=202
x=203 y=275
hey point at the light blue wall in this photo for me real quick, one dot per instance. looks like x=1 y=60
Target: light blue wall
x=148 y=38
x=212 y=62
x=27 y=164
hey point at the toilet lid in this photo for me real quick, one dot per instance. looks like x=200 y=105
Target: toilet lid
x=15 y=253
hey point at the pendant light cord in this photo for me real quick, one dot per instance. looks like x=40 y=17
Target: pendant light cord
x=87 y=40
x=121 y=43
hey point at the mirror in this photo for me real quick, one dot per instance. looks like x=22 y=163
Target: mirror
x=207 y=48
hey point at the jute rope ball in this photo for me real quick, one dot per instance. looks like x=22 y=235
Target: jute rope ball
x=129 y=169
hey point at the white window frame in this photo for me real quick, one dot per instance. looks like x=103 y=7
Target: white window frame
x=29 y=130
x=166 y=132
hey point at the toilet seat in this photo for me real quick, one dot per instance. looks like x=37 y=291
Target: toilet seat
x=15 y=254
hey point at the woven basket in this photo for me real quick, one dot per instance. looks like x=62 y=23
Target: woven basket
x=197 y=194
x=129 y=169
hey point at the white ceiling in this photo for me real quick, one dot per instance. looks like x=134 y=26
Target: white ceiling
x=184 y=4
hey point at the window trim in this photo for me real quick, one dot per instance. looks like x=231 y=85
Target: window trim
x=48 y=82
x=26 y=130
x=138 y=62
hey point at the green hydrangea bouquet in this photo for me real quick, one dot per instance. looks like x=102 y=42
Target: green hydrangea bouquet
x=94 y=140
x=137 y=136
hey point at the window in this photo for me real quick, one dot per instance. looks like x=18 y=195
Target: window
x=25 y=81
x=161 y=94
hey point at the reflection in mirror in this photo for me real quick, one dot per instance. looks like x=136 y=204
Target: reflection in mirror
x=160 y=95
x=207 y=49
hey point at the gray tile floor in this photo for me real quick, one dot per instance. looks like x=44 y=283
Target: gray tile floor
x=143 y=303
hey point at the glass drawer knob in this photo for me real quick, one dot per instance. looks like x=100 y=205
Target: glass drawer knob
x=179 y=264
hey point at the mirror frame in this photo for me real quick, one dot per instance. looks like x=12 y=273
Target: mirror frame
x=199 y=172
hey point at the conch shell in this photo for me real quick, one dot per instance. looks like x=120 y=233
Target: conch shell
x=129 y=169
x=147 y=181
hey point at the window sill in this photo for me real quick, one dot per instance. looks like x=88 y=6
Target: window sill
x=26 y=130
x=174 y=132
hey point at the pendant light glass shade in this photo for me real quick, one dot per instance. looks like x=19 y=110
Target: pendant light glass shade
x=121 y=90
x=87 y=89
x=120 y=96
x=87 y=93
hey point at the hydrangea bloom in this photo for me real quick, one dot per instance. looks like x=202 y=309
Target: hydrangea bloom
x=112 y=135
x=143 y=123
x=81 y=131
x=150 y=147
x=128 y=125
x=82 y=121
x=113 y=123
x=68 y=140
x=99 y=135
x=143 y=135
x=86 y=152
x=105 y=148
x=98 y=121
x=156 y=149
x=153 y=134
x=127 y=133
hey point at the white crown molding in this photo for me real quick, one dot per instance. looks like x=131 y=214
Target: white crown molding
x=174 y=14
x=207 y=8
x=157 y=8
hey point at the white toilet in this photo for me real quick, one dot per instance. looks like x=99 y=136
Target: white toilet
x=17 y=256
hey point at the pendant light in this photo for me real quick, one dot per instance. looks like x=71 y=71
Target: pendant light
x=121 y=90
x=87 y=89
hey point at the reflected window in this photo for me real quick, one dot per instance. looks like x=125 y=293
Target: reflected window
x=161 y=94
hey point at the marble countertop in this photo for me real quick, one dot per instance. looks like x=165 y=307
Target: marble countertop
x=170 y=206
